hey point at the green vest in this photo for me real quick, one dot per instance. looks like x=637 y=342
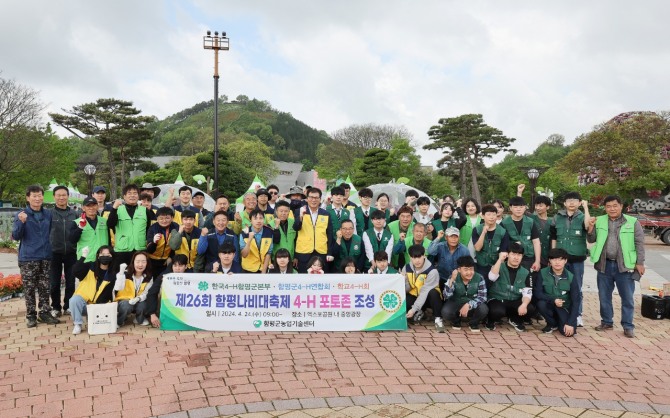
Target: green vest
x=466 y=229
x=545 y=236
x=379 y=245
x=394 y=227
x=389 y=270
x=410 y=241
x=560 y=290
x=524 y=237
x=437 y=225
x=572 y=239
x=463 y=294
x=626 y=239
x=287 y=239
x=360 y=219
x=502 y=290
x=92 y=238
x=131 y=233
x=488 y=255
x=354 y=251
x=337 y=222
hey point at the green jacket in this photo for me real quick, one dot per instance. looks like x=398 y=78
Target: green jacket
x=571 y=238
x=626 y=239
x=488 y=255
x=502 y=290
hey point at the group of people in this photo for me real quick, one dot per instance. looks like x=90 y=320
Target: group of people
x=465 y=262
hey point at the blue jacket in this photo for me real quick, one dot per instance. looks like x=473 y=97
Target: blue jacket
x=209 y=245
x=444 y=259
x=34 y=235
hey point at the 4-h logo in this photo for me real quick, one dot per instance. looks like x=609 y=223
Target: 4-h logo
x=356 y=247
x=390 y=301
x=258 y=323
x=203 y=286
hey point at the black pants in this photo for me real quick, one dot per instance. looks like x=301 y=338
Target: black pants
x=157 y=267
x=433 y=301
x=556 y=317
x=61 y=264
x=450 y=312
x=508 y=308
x=303 y=259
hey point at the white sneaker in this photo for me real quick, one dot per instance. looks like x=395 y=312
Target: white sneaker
x=145 y=323
x=580 y=322
x=439 y=325
x=77 y=329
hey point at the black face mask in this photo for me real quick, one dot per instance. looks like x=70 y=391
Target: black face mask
x=105 y=260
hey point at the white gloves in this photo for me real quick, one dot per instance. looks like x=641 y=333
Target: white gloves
x=85 y=251
x=157 y=238
x=120 y=282
x=133 y=301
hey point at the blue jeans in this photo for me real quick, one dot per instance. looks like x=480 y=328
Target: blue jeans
x=78 y=309
x=577 y=270
x=625 y=285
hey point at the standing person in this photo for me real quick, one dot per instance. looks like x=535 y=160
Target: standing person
x=522 y=229
x=132 y=288
x=63 y=256
x=152 y=191
x=250 y=201
x=377 y=238
x=262 y=203
x=418 y=237
x=349 y=245
x=421 y=215
x=557 y=295
x=338 y=213
x=185 y=194
x=362 y=213
x=209 y=242
x=490 y=239
x=100 y=195
x=421 y=287
x=198 y=201
x=568 y=232
x=511 y=290
x=448 y=217
x=185 y=240
x=618 y=256
x=383 y=204
x=284 y=234
x=472 y=209
x=220 y=203
x=347 y=192
x=159 y=239
x=273 y=191
x=401 y=229
x=500 y=207
x=129 y=222
x=31 y=227
x=465 y=296
x=256 y=244
x=90 y=230
x=446 y=253
x=314 y=231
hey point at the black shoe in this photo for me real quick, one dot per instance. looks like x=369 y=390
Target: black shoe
x=455 y=325
x=47 y=318
x=519 y=326
x=474 y=327
x=549 y=329
x=491 y=326
x=31 y=321
x=527 y=321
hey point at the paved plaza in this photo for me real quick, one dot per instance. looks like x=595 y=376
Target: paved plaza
x=141 y=372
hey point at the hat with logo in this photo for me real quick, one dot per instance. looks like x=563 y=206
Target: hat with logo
x=89 y=201
x=452 y=230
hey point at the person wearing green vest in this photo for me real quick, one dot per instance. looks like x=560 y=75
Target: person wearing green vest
x=383 y=205
x=348 y=244
x=338 y=213
x=418 y=237
x=542 y=221
x=129 y=222
x=465 y=296
x=401 y=229
x=473 y=219
x=422 y=287
x=500 y=207
x=377 y=238
x=382 y=264
x=449 y=217
x=284 y=234
x=242 y=217
x=522 y=229
x=618 y=257
x=489 y=240
x=557 y=295
x=91 y=231
x=511 y=290
x=568 y=231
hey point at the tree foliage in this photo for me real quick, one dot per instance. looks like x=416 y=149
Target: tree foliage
x=467 y=141
x=375 y=167
x=20 y=106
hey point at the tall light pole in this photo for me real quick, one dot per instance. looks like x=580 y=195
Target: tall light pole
x=533 y=174
x=90 y=170
x=217 y=43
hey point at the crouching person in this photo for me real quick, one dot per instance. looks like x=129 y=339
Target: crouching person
x=179 y=265
x=132 y=286
x=96 y=283
x=422 y=290
x=465 y=294
x=557 y=295
x=511 y=290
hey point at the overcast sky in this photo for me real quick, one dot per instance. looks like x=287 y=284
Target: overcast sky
x=531 y=68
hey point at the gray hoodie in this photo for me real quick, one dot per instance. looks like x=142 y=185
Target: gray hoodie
x=431 y=282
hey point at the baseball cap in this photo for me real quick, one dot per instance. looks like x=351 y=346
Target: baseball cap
x=98 y=189
x=262 y=191
x=198 y=193
x=452 y=230
x=89 y=201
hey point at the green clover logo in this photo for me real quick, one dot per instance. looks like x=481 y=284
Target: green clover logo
x=258 y=323
x=202 y=286
x=390 y=301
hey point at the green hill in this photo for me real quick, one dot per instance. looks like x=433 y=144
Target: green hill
x=189 y=131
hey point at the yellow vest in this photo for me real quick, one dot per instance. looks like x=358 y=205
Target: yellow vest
x=190 y=253
x=313 y=237
x=254 y=260
x=177 y=218
x=87 y=288
x=416 y=281
x=128 y=291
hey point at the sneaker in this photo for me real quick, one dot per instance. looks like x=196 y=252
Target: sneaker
x=56 y=313
x=417 y=317
x=31 y=321
x=604 y=327
x=527 y=321
x=456 y=325
x=77 y=329
x=47 y=318
x=439 y=325
x=580 y=322
x=474 y=327
x=67 y=312
x=629 y=332
x=491 y=326
x=145 y=323
x=520 y=327
x=549 y=329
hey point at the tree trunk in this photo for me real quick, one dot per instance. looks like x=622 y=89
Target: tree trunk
x=464 y=185
x=475 y=185
x=123 y=167
x=112 y=173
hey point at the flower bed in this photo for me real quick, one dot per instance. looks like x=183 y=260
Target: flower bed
x=10 y=286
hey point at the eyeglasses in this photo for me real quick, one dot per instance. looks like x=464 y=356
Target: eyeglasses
x=273 y=193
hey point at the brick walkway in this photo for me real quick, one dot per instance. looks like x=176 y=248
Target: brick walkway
x=146 y=372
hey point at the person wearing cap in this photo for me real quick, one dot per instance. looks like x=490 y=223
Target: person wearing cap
x=338 y=213
x=522 y=229
x=347 y=191
x=159 y=245
x=256 y=244
x=511 y=290
x=284 y=234
x=185 y=239
x=185 y=193
x=314 y=229
x=401 y=229
x=63 y=256
x=465 y=295
x=129 y=222
x=447 y=252
x=198 y=201
x=296 y=198
x=262 y=199
x=489 y=239
x=568 y=232
x=152 y=191
x=91 y=230
x=209 y=242
x=100 y=195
